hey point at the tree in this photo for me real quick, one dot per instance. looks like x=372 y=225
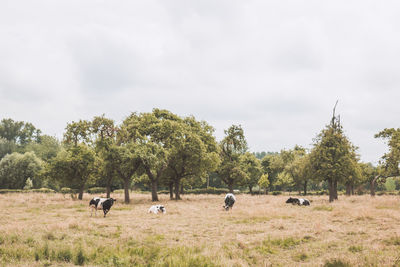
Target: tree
x=105 y=133
x=391 y=160
x=252 y=167
x=149 y=135
x=46 y=149
x=263 y=182
x=19 y=132
x=299 y=169
x=16 y=168
x=192 y=153
x=74 y=167
x=232 y=147
x=333 y=157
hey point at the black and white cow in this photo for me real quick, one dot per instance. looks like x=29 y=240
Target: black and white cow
x=229 y=201
x=98 y=203
x=157 y=208
x=298 y=201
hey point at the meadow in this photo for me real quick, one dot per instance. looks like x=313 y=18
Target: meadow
x=39 y=229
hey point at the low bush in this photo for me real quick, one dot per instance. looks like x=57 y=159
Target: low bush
x=43 y=190
x=96 y=190
x=276 y=193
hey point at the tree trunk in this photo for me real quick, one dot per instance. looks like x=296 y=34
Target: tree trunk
x=251 y=189
x=305 y=188
x=348 y=189
x=171 y=190
x=331 y=193
x=154 y=186
x=80 y=196
x=335 y=189
x=181 y=192
x=373 y=185
x=266 y=191
x=108 y=191
x=352 y=190
x=126 y=190
x=177 y=187
x=230 y=187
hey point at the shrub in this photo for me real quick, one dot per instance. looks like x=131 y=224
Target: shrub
x=43 y=190
x=66 y=190
x=276 y=193
x=80 y=257
x=336 y=263
x=96 y=190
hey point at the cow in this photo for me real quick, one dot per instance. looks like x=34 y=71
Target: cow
x=229 y=201
x=98 y=203
x=298 y=201
x=157 y=208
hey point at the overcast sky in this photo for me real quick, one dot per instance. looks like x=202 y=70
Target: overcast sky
x=275 y=67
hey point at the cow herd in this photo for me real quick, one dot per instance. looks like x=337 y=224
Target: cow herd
x=105 y=204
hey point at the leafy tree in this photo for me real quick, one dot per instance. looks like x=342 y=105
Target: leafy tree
x=46 y=149
x=7 y=147
x=192 y=153
x=16 y=168
x=28 y=184
x=105 y=133
x=19 y=132
x=74 y=167
x=149 y=134
x=391 y=160
x=299 y=169
x=263 y=182
x=333 y=157
x=390 y=184
x=252 y=167
x=232 y=147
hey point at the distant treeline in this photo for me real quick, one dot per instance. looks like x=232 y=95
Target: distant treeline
x=160 y=150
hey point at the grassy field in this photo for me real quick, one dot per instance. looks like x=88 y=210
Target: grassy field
x=52 y=230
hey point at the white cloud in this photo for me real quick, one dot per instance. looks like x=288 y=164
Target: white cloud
x=276 y=67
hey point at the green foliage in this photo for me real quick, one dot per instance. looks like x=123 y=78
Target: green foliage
x=336 y=263
x=46 y=149
x=333 y=158
x=96 y=190
x=252 y=167
x=232 y=147
x=390 y=184
x=16 y=168
x=73 y=167
x=28 y=184
x=391 y=160
x=263 y=182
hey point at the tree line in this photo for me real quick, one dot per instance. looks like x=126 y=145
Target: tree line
x=161 y=150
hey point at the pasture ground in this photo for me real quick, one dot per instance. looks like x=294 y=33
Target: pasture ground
x=54 y=230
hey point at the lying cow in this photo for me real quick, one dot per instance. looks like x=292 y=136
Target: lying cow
x=157 y=208
x=98 y=203
x=229 y=201
x=298 y=201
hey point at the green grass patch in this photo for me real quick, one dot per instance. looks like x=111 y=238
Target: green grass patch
x=252 y=220
x=323 y=208
x=355 y=249
x=336 y=263
x=393 y=241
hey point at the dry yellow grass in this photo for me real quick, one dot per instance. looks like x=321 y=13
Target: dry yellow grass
x=50 y=229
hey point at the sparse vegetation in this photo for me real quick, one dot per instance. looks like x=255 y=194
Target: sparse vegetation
x=260 y=230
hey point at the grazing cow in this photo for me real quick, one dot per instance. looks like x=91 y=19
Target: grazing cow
x=98 y=203
x=157 y=208
x=298 y=201
x=229 y=201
